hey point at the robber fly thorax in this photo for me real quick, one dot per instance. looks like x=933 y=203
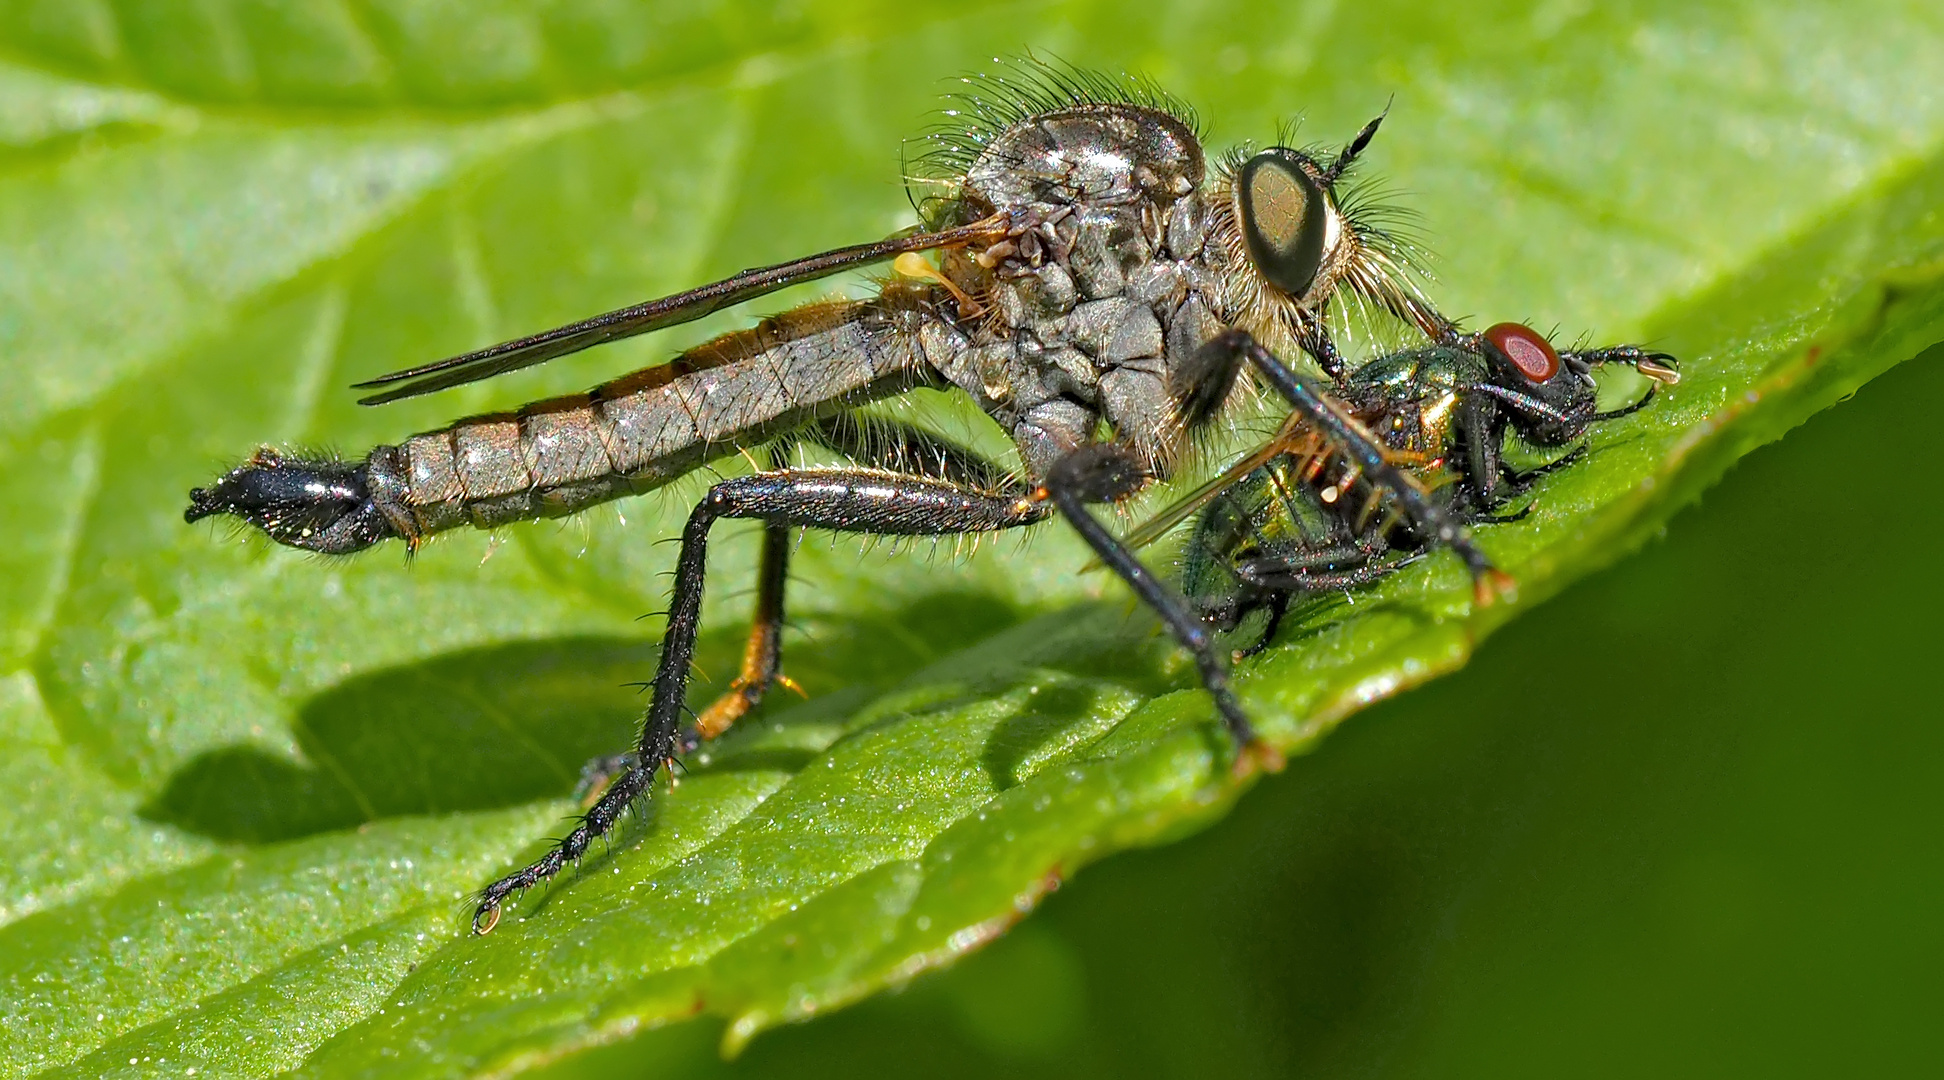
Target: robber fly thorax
x=1099 y=291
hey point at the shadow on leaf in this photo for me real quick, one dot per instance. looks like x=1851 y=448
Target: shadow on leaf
x=1024 y=735
x=510 y=724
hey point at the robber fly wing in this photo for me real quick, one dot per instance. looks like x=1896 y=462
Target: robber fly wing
x=1180 y=510
x=1156 y=527
x=657 y=314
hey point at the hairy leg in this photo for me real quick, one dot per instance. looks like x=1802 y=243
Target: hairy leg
x=1106 y=472
x=873 y=442
x=846 y=500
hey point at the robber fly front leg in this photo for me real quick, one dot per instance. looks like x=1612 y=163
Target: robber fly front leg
x=1336 y=424
x=846 y=500
x=1313 y=337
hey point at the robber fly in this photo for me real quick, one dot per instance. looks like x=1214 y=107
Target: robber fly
x=1099 y=291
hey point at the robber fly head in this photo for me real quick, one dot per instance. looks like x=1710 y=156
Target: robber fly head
x=1294 y=240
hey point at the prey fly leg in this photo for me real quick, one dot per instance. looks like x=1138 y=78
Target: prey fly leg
x=1369 y=460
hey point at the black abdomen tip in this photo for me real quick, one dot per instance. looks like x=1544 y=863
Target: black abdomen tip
x=319 y=505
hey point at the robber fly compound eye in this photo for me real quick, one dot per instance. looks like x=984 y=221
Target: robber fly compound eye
x=1285 y=218
x=1524 y=349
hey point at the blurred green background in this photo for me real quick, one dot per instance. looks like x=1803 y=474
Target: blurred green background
x=1683 y=820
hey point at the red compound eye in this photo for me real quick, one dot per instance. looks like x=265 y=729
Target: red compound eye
x=1528 y=351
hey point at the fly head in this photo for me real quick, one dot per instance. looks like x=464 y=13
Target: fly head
x=1299 y=231
x=1549 y=396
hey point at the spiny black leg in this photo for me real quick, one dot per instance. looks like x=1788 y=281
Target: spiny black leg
x=1283 y=584
x=1330 y=557
x=1627 y=410
x=1270 y=575
x=657 y=743
x=598 y=820
x=762 y=663
x=1338 y=426
x=847 y=500
x=1520 y=481
x=1316 y=570
x=1104 y=473
x=1481 y=431
x=875 y=441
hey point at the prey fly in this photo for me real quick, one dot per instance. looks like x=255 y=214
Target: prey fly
x=1301 y=516
x=1105 y=294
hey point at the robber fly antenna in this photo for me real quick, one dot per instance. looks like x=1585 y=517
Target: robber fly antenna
x=1349 y=155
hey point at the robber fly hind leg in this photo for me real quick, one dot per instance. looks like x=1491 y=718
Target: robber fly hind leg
x=1337 y=425
x=761 y=669
x=762 y=663
x=844 y=500
x=869 y=441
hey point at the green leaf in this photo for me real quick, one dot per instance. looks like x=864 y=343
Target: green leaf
x=250 y=789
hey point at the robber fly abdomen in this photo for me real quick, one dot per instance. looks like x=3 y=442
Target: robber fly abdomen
x=636 y=433
x=1100 y=291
